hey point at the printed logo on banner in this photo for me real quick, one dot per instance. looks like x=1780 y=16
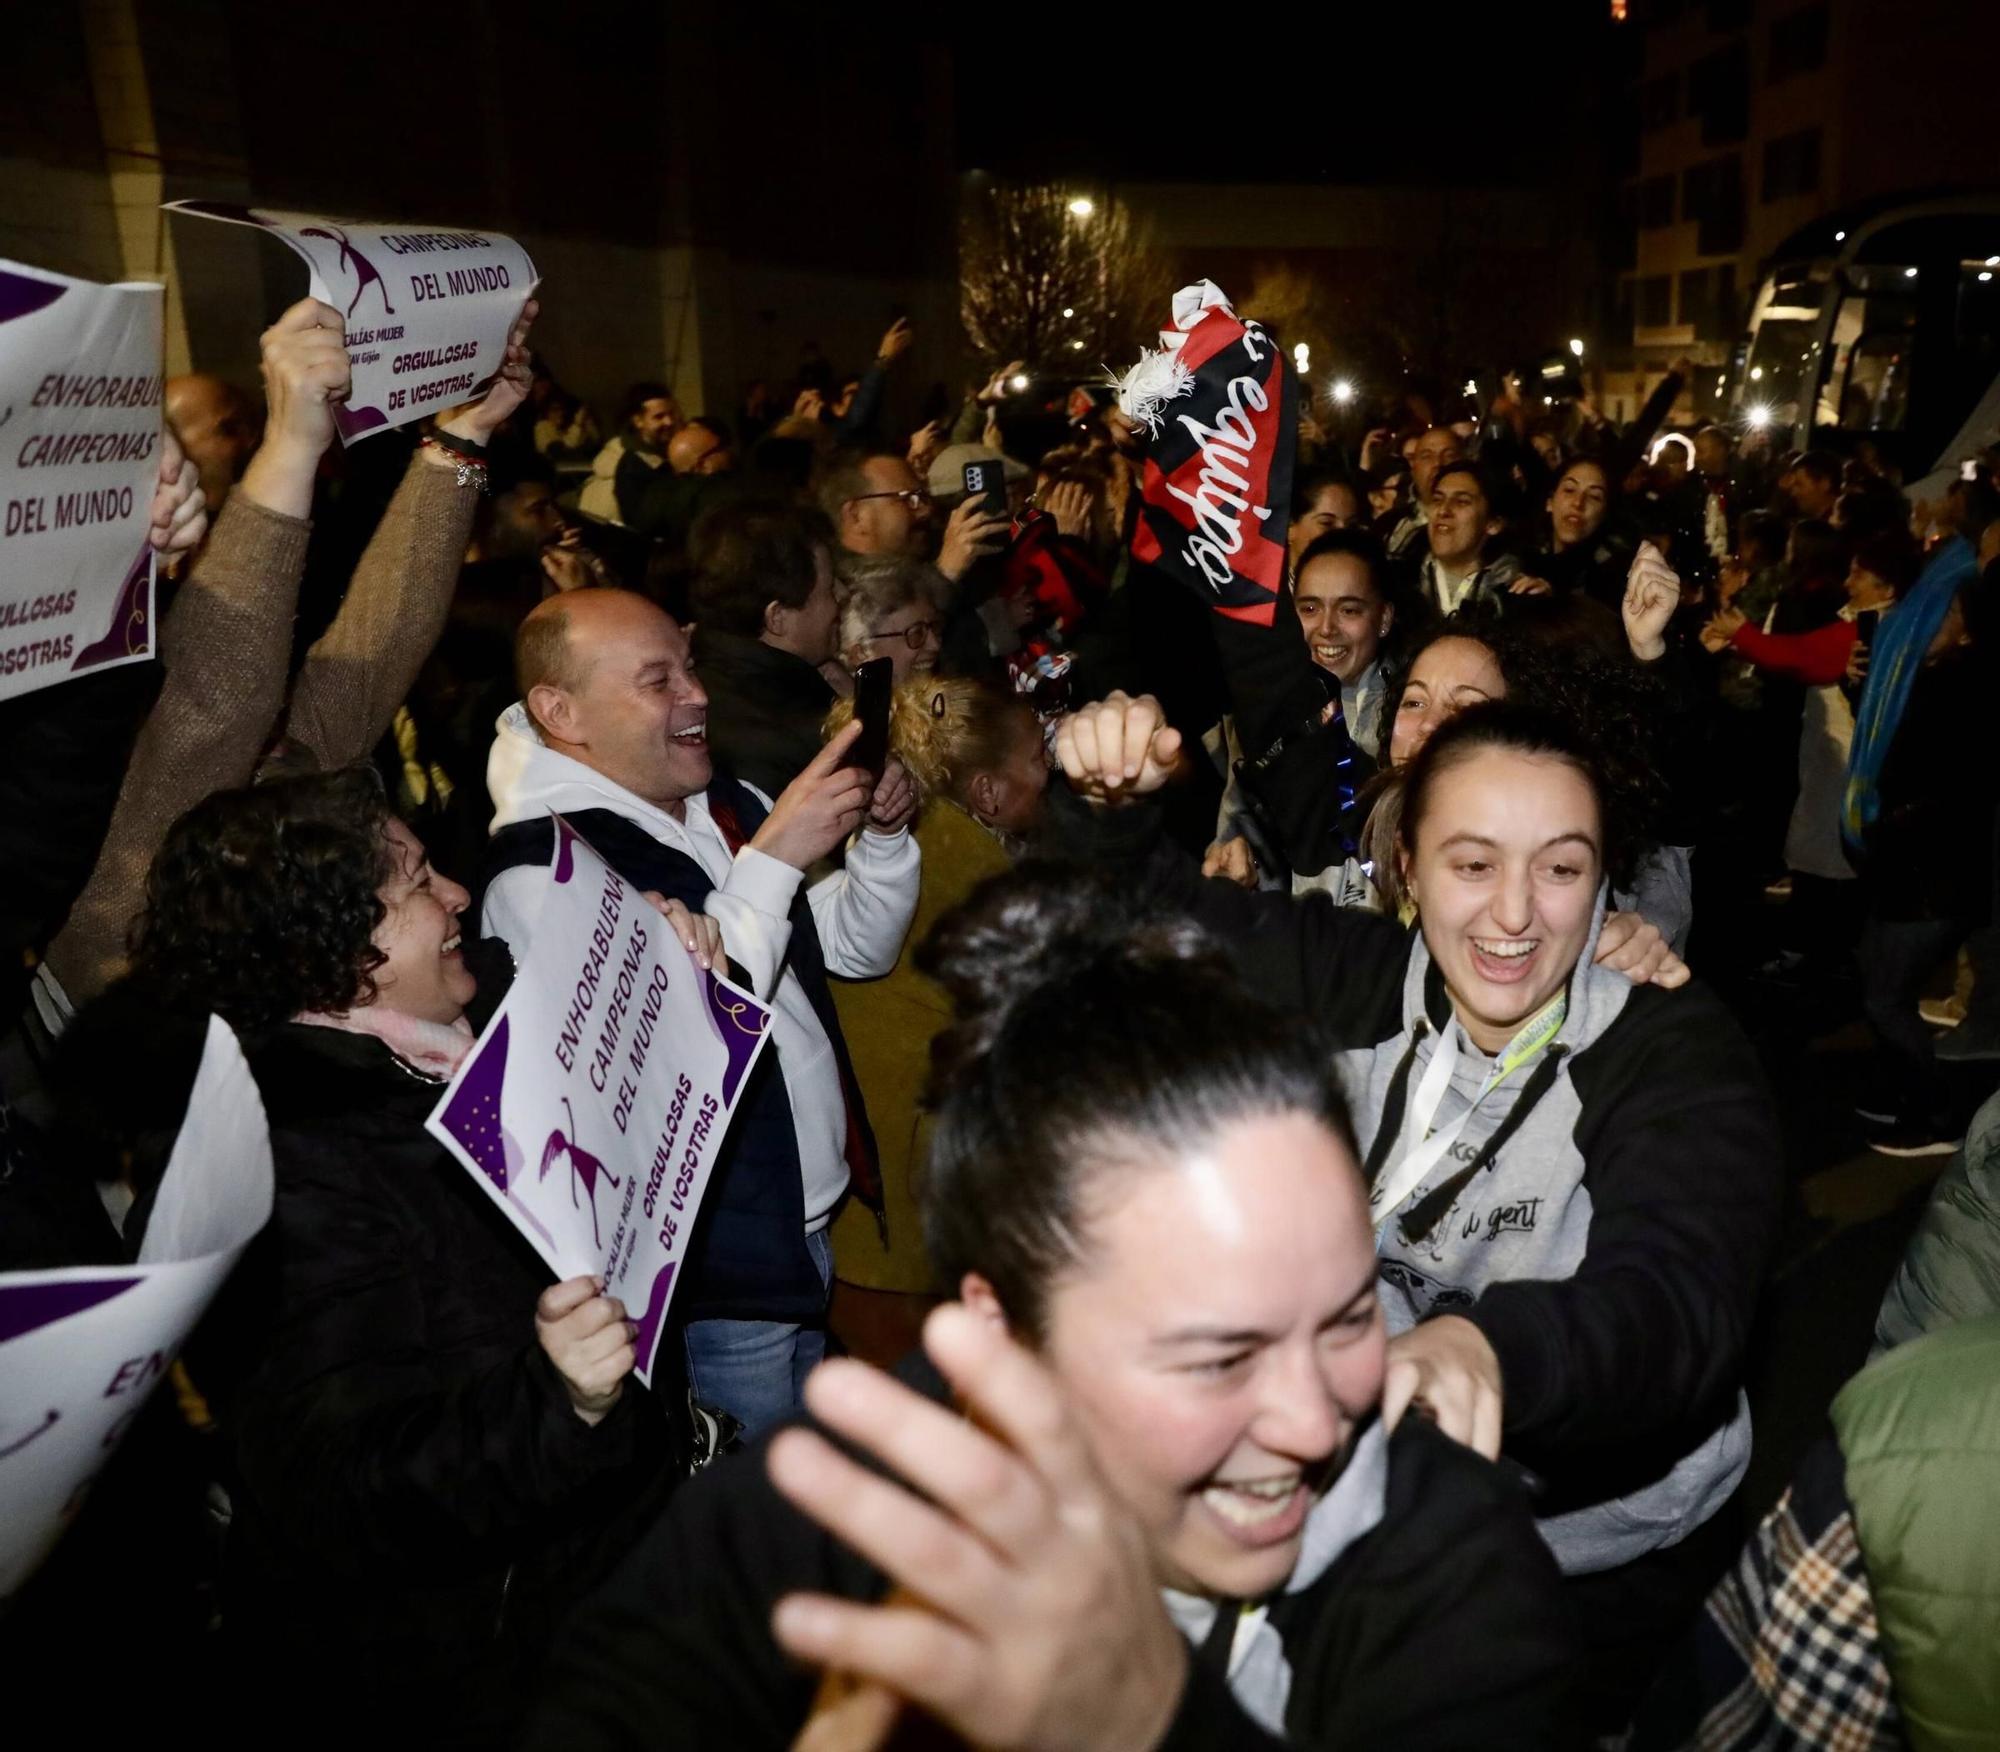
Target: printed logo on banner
x=441 y=305
x=622 y=1059
x=82 y=1349
x=80 y=433
x=1220 y=403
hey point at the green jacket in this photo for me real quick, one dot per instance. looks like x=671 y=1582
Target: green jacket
x=1920 y=1431
x=1951 y=1271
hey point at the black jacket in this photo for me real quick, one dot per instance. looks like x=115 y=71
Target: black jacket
x=415 y=1500
x=1443 y=1627
x=765 y=707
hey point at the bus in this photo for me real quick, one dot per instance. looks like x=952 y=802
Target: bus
x=1880 y=324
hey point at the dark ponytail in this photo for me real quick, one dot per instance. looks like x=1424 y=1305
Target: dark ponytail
x=1092 y=1030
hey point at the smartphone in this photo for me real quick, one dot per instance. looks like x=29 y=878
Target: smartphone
x=987 y=482
x=871 y=705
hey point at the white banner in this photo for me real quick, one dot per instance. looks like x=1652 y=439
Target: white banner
x=427 y=312
x=79 y=458
x=82 y=1349
x=594 y=1106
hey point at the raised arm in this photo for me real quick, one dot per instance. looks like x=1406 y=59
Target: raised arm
x=224 y=648
x=362 y=666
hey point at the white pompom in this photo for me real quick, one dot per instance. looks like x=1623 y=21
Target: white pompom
x=1157 y=379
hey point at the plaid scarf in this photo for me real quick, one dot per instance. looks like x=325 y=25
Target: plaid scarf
x=1788 y=1652
x=1221 y=405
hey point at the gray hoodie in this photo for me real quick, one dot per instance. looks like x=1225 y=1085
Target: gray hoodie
x=1526 y=1217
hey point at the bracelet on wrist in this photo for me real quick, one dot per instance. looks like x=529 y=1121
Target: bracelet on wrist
x=470 y=469
x=465 y=447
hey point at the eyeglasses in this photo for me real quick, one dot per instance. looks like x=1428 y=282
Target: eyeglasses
x=914 y=497
x=917 y=635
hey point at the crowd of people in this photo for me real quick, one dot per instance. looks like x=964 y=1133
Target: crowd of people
x=1249 y=1232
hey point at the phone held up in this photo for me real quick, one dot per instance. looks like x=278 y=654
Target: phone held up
x=987 y=483
x=871 y=706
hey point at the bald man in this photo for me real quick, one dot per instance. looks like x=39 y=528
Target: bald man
x=699 y=449
x=217 y=426
x=612 y=731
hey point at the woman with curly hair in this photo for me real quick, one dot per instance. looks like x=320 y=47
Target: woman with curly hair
x=1573 y=1178
x=431 y=1448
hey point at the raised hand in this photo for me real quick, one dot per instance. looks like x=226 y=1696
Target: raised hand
x=1721 y=628
x=925 y=443
x=1027 y=1613
x=585 y=1334
x=1118 y=748
x=819 y=808
x=996 y=386
x=179 y=515
x=969 y=534
x=1652 y=593
x=476 y=422
x=306 y=375
x=896 y=342
x=1231 y=861
x=1070 y=504
x=894 y=801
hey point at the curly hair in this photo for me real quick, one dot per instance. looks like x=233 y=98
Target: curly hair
x=262 y=903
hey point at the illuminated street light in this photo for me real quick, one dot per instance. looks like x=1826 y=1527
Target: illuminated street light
x=1986 y=275
x=1993 y=261
x=1343 y=391
x=1018 y=382
x=1076 y=346
x=1576 y=347
x=1067 y=311
x=1840 y=237
x=1756 y=374
x=1909 y=273
x=1083 y=206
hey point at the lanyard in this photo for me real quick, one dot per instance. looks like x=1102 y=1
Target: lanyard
x=1424 y=1148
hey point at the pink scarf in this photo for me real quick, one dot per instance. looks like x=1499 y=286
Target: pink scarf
x=436 y=1049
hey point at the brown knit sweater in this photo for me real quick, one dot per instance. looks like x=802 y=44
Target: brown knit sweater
x=225 y=647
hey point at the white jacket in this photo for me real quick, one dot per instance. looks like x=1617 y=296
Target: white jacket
x=861 y=913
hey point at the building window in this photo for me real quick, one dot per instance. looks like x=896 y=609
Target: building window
x=1718 y=92
x=1656 y=202
x=1712 y=199
x=1708 y=302
x=1656 y=301
x=1791 y=165
x=1798 y=43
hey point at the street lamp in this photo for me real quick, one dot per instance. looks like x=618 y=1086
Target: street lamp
x=1083 y=206
x=1576 y=346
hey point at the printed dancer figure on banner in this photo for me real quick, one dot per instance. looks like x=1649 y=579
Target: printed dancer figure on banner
x=582 y=1166
x=366 y=273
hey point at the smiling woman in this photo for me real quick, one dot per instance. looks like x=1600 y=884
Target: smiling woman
x=1167 y=1361
x=426 y=1439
